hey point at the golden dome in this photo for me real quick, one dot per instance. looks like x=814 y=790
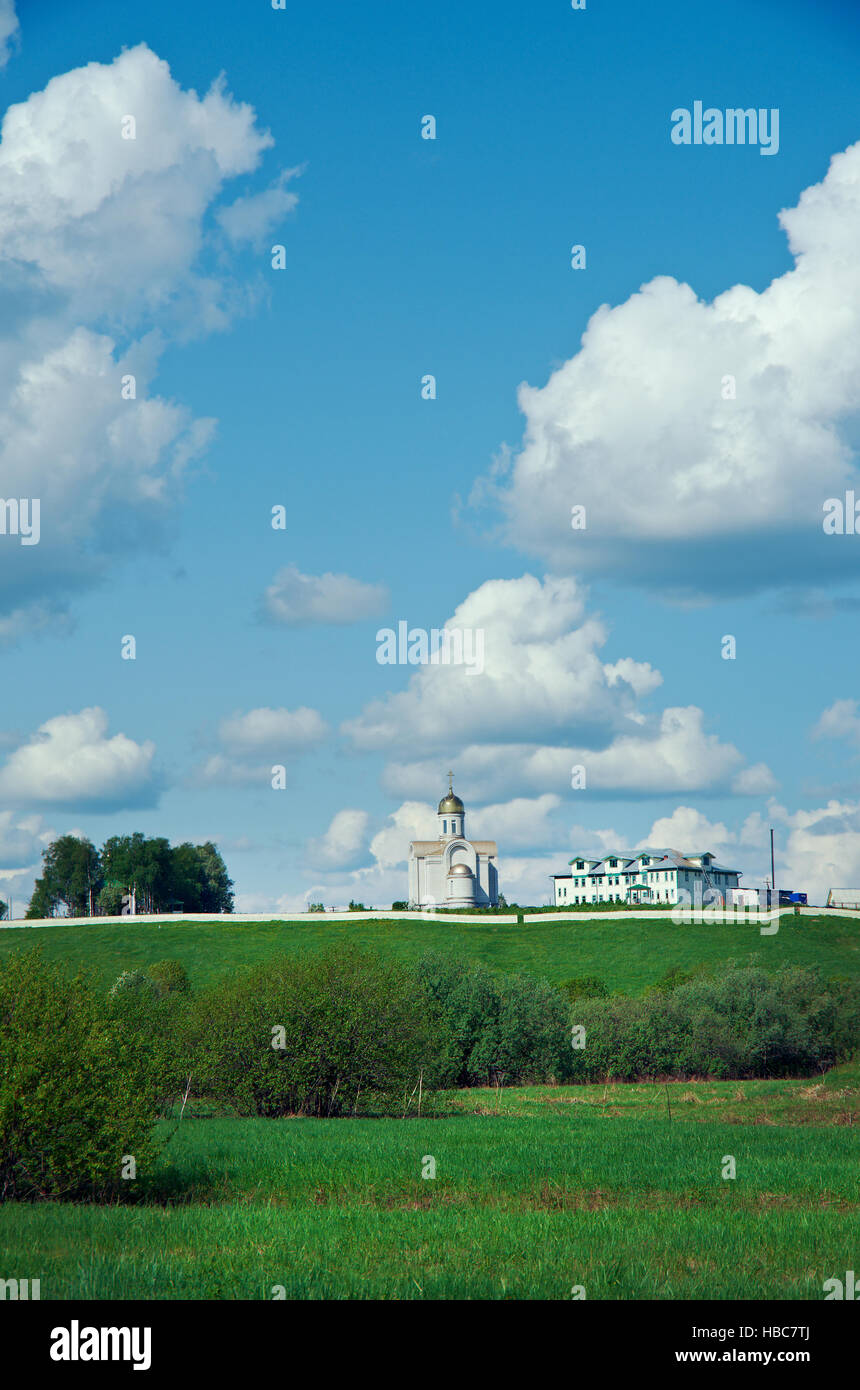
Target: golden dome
x=450 y=804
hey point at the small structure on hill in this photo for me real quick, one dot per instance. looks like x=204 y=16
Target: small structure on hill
x=844 y=897
x=451 y=871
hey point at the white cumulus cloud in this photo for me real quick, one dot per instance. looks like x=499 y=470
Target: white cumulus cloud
x=414 y=820
x=114 y=222
x=106 y=472
x=542 y=675
x=672 y=752
x=22 y=839
x=9 y=27
x=253 y=743
x=687 y=830
x=272 y=730
x=523 y=823
x=294 y=599
x=252 y=217
x=822 y=849
x=678 y=476
x=106 y=254
x=343 y=844
x=543 y=703
x=841 y=720
x=71 y=761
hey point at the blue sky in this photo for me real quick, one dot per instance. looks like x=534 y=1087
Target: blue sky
x=452 y=257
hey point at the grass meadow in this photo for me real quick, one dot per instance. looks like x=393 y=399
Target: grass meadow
x=618 y=1189
x=627 y=955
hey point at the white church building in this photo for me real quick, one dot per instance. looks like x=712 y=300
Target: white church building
x=451 y=871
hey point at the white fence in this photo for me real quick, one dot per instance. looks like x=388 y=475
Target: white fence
x=674 y=913
x=231 y=919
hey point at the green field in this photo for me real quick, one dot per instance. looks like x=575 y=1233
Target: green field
x=616 y=1188
x=627 y=955
x=536 y=1190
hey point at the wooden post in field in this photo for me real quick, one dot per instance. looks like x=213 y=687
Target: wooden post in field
x=185 y=1099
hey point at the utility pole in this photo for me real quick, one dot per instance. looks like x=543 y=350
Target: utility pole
x=772 y=874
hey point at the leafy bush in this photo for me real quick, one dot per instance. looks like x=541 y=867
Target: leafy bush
x=584 y=987
x=674 y=977
x=132 y=982
x=75 y=1092
x=509 y=1025
x=169 y=977
x=312 y=1036
x=151 y=1008
x=745 y=1023
x=110 y=901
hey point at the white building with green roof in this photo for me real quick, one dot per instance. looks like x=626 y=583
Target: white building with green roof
x=644 y=876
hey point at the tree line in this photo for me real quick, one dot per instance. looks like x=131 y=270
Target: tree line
x=130 y=874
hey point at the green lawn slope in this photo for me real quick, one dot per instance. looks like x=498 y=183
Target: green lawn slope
x=627 y=955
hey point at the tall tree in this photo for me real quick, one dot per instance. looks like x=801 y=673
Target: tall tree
x=139 y=868
x=71 y=877
x=135 y=864
x=218 y=894
x=200 y=879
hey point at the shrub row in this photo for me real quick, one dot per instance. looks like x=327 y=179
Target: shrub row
x=86 y=1074
x=744 y=1023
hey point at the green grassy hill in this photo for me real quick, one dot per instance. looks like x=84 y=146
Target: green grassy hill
x=617 y=1188
x=628 y=955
